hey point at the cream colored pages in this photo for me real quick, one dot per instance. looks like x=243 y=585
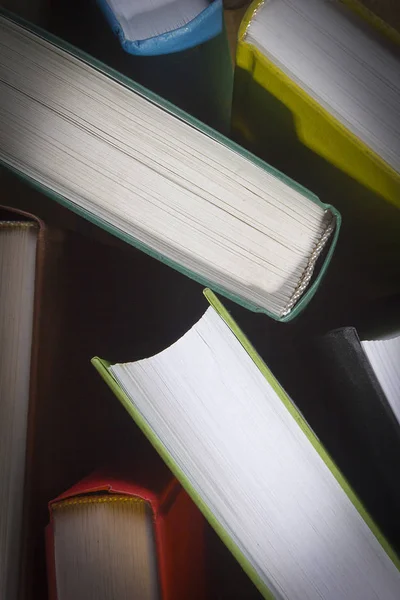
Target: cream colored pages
x=154 y=177
x=17 y=284
x=104 y=549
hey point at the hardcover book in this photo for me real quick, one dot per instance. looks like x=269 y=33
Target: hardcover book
x=158 y=179
x=241 y=449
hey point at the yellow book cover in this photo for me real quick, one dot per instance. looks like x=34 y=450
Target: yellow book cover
x=279 y=121
x=275 y=115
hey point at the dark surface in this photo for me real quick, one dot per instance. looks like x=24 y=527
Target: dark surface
x=109 y=299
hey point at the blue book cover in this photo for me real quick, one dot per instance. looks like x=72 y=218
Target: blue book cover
x=155 y=27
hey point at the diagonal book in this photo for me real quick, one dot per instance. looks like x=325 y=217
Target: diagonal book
x=150 y=174
x=229 y=432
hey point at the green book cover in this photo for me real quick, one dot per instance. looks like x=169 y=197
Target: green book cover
x=102 y=367
x=309 y=286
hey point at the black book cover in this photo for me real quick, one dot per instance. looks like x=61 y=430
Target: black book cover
x=365 y=434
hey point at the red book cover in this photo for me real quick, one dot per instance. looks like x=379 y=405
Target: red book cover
x=179 y=530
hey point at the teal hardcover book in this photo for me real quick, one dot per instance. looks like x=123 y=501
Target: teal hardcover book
x=157 y=178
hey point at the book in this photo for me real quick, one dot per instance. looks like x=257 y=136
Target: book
x=234 y=439
x=158 y=179
x=357 y=424
x=341 y=89
x=294 y=130
x=114 y=537
x=366 y=373
x=31 y=256
x=22 y=239
x=162 y=27
x=367 y=370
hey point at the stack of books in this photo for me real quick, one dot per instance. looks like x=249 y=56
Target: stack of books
x=119 y=208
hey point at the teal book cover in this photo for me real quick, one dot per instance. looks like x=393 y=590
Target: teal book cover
x=321 y=253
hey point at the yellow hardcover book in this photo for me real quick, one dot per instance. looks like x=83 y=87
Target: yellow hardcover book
x=326 y=76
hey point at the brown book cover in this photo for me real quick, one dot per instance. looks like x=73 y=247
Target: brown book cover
x=22 y=261
x=46 y=327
